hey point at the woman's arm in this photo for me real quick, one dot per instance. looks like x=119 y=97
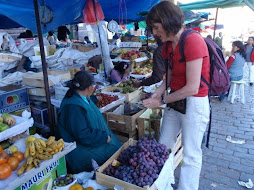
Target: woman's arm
x=193 y=75
x=155 y=100
x=115 y=76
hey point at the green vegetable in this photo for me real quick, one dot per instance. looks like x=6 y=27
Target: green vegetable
x=5 y=115
x=5 y=144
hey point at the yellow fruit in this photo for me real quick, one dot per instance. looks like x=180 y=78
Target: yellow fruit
x=13 y=149
x=30 y=139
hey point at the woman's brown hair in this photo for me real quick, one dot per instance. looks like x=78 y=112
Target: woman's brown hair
x=168 y=14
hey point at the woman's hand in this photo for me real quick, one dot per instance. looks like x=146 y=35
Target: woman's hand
x=109 y=139
x=156 y=95
x=152 y=102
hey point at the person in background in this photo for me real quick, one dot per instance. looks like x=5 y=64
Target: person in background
x=120 y=73
x=87 y=41
x=26 y=34
x=249 y=48
x=81 y=121
x=166 y=20
x=29 y=33
x=218 y=40
x=52 y=39
x=159 y=68
x=236 y=61
x=63 y=33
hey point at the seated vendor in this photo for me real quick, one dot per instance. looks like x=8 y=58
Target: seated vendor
x=120 y=73
x=81 y=121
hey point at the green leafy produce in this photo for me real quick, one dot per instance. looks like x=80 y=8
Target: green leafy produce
x=128 y=89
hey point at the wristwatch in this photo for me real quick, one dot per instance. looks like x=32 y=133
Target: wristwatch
x=162 y=99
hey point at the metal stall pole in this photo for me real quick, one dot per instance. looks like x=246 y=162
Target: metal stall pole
x=215 y=24
x=100 y=39
x=44 y=67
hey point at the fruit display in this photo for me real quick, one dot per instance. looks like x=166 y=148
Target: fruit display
x=131 y=55
x=79 y=187
x=141 y=164
x=61 y=181
x=106 y=99
x=9 y=163
x=127 y=87
x=141 y=71
x=6 y=121
x=37 y=150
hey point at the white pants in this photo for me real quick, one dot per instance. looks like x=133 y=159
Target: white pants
x=251 y=72
x=193 y=125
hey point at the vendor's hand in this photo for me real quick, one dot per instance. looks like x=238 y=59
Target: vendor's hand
x=152 y=102
x=137 y=84
x=127 y=71
x=109 y=139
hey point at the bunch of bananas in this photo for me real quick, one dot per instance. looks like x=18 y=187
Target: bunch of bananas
x=38 y=150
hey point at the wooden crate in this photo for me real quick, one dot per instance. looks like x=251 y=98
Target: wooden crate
x=36 y=79
x=129 y=96
x=122 y=123
x=150 y=127
x=110 y=182
x=178 y=151
x=124 y=137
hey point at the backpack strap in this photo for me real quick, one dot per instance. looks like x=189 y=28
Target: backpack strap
x=166 y=67
x=181 y=43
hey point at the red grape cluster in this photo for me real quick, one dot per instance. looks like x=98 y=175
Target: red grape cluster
x=106 y=99
x=140 y=164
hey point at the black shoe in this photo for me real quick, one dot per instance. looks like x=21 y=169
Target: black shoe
x=251 y=84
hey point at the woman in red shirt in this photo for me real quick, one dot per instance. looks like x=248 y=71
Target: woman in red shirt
x=167 y=22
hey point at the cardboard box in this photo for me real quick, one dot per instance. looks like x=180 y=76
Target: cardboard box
x=110 y=182
x=39 y=180
x=60 y=92
x=40 y=116
x=13 y=98
x=49 y=50
x=36 y=79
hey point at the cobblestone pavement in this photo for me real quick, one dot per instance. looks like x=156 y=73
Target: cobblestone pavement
x=225 y=163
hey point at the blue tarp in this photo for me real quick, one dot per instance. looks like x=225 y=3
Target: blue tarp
x=21 y=12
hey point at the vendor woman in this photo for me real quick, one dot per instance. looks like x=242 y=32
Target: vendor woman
x=81 y=121
x=120 y=73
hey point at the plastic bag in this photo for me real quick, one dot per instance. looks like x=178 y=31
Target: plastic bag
x=89 y=12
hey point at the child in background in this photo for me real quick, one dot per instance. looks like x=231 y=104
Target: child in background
x=120 y=73
x=249 y=48
x=236 y=61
